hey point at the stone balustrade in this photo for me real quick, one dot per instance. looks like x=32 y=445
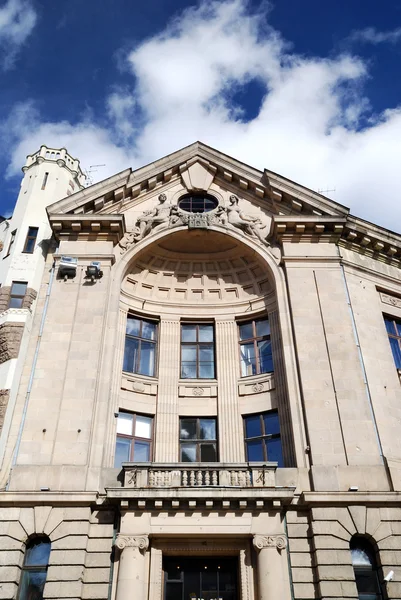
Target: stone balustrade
x=191 y=475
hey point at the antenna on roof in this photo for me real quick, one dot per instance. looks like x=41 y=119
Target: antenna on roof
x=88 y=173
x=321 y=191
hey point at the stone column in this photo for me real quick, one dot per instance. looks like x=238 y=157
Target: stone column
x=273 y=576
x=231 y=435
x=131 y=580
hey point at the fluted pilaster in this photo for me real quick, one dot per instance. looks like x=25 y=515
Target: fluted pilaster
x=231 y=437
x=166 y=447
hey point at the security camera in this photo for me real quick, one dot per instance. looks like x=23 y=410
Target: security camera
x=389 y=576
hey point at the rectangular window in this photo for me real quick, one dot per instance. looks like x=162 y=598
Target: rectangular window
x=11 y=242
x=31 y=240
x=45 y=178
x=17 y=295
x=197 y=351
x=255 y=347
x=134 y=438
x=262 y=438
x=198 y=439
x=393 y=327
x=140 y=346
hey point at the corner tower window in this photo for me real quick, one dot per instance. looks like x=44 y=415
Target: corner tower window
x=365 y=569
x=197 y=203
x=140 y=346
x=30 y=240
x=255 y=347
x=17 y=295
x=34 y=571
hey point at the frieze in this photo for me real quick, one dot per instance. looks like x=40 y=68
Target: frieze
x=270 y=541
x=165 y=215
x=392 y=300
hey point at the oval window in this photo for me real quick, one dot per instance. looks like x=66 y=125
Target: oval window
x=197 y=203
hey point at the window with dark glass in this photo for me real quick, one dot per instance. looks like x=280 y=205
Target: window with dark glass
x=31 y=240
x=197 y=203
x=34 y=570
x=198 y=439
x=393 y=327
x=134 y=438
x=197 y=351
x=255 y=347
x=17 y=294
x=192 y=578
x=140 y=346
x=365 y=569
x=262 y=438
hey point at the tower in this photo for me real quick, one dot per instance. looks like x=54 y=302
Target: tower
x=49 y=175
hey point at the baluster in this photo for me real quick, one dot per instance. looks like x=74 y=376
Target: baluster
x=207 y=477
x=199 y=478
x=192 y=478
x=185 y=478
x=248 y=478
x=151 y=478
x=214 y=478
x=241 y=479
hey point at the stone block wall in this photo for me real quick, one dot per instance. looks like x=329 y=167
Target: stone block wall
x=319 y=543
x=81 y=545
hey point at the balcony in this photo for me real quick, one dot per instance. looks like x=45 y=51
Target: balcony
x=199 y=475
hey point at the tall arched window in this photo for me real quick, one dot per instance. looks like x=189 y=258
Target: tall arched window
x=34 y=571
x=365 y=569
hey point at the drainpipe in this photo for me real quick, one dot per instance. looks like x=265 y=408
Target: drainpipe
x=33 y=369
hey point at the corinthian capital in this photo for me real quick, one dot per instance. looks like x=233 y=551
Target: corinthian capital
x=130 y=541
x=269 y=541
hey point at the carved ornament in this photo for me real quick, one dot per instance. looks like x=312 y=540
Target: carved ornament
x=270 y=541
x=128 y=541
x=392 y=300
x=198 y=391
x=258 y=387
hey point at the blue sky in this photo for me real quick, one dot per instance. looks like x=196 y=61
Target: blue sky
x=309 y=89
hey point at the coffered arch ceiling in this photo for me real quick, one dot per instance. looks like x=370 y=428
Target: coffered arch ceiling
x=198 y=269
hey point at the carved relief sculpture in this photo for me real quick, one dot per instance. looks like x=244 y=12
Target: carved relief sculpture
x=253 y=226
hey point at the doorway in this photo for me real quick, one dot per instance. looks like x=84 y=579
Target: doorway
x=198 y=578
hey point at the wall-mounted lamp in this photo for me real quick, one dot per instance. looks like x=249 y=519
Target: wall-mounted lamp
x=353 y=488
x=93 y=271
x=67 y=267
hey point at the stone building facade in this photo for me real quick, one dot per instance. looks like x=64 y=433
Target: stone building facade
x=210 y=404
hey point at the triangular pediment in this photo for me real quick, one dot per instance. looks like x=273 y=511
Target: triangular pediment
x=197 y=166
x=287 y=210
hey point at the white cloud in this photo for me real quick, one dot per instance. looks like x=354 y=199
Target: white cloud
x=308 y=127
x=17 y=20
x=371 y=35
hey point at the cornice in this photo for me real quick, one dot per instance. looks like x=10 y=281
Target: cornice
x=98 y=227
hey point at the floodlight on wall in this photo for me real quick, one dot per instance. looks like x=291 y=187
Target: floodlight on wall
x=353 y=488
x=389 y=576
x=67 y=267
x=93 y=271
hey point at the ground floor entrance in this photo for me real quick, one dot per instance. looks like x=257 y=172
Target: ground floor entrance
x=198 y=578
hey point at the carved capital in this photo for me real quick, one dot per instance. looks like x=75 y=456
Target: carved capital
x=129 y=541
x=269 y=541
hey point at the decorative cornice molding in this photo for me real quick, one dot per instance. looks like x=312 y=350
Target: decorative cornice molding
x=269 y=541
x=130 y=541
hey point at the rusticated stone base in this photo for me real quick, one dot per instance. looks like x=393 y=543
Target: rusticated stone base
x=10 y=340
x=4 y=396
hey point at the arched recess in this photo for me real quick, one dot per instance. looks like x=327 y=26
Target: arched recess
x=366 y=569
x=34 y=569
x=108 y=395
